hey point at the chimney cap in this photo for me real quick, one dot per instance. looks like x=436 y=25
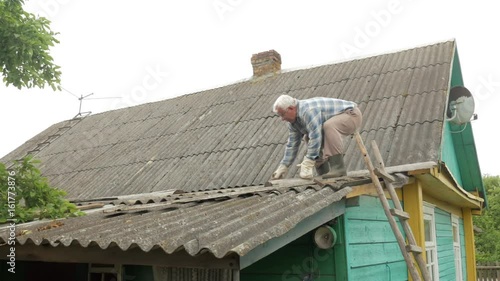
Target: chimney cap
x=266 y=63
x=271 y=54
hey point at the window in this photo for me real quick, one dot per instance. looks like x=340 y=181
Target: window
x=430 y=242
x=104 y=272
x=456 y=247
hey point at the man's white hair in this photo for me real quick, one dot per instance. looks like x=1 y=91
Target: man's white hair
x=283 y=102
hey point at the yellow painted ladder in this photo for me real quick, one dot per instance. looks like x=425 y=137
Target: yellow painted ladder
x=406 y=249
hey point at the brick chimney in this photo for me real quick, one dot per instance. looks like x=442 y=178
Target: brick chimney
x=266 y=63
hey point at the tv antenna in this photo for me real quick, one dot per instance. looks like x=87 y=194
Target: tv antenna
x=81 y=98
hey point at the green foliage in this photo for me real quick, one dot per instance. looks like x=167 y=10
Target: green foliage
x=24 y=48
x=29 y=196
x=488 y=241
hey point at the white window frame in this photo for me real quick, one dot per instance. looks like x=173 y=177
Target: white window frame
x=455 y=228
x=431 y=245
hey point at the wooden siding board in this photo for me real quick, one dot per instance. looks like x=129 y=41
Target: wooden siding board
x=366 y=255
x=444 y=237
x=449 y=156
x=364 y=231
x=395 y=271
x=370 y=250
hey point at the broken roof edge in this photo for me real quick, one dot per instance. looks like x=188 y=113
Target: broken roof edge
x=398 y=169
x=458 y=187
x=325 y=200
x=434 y=169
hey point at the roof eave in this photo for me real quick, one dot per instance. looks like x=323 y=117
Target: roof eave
x=439 y=183
x=114 y=255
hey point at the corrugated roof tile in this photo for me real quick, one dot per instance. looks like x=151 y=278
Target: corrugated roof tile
x=229 y=136
x=422 y=140
x=223 y=225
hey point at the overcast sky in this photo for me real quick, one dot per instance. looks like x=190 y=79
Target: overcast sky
x=143 y=51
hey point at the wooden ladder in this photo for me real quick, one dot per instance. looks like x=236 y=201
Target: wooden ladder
x=398 y=211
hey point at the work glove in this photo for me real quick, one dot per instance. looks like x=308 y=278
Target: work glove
x=280 y=172
x=307 y=168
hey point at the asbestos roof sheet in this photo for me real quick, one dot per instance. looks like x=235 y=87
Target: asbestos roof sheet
x=222 y=222
x=229 y=137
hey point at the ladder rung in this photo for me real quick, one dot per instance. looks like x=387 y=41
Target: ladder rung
x=400 y=214
x=383 y=174
x=406 y=248
x=413 y=249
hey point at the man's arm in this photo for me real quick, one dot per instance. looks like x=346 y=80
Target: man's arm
x=292 y=146
x=314 y=125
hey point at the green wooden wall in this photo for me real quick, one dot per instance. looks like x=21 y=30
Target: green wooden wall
x=444 y=237
x=372 y=249
x=300 y=259
x=446 y=254
x=458 y=149
x=448 y=154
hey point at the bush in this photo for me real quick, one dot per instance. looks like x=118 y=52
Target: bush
x=29 y=196
x=488 y=240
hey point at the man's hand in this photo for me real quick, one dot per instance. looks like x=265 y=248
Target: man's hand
x=280 y=172
x=307 y=168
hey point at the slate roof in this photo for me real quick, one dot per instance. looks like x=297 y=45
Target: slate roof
x=228 y=137
x=222 y=222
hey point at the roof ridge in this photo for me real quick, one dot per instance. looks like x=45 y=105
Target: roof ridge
x=363 y=57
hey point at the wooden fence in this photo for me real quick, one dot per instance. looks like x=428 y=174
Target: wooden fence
x=488 y=271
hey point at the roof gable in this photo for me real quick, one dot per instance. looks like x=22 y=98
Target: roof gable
x=229 y=137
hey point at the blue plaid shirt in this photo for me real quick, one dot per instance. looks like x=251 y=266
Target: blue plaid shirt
x=311 y=114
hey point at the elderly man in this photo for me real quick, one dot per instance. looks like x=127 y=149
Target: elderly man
x=321 y=122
